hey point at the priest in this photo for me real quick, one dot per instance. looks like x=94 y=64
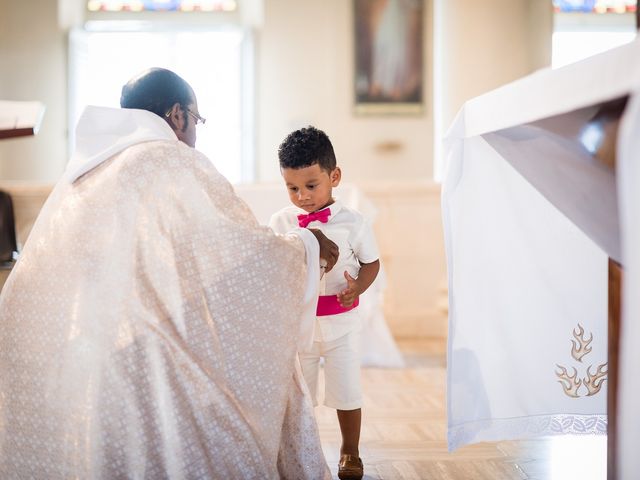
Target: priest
x=149 y=328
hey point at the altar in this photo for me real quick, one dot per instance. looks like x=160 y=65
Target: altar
x=540 y=208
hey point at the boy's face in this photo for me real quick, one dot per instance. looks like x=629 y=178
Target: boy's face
x=310 y=187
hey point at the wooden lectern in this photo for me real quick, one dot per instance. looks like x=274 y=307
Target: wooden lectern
x=20 y=119
x=606 y=123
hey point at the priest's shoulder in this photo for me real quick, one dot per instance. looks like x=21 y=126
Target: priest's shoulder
x=170 y=154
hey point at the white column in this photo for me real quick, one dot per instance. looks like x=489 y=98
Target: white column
x=33 y=54
x=480 y=46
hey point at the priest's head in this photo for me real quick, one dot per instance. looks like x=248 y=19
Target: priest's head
x=169 y=96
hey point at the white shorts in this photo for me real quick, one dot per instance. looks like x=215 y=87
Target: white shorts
x=342 y=389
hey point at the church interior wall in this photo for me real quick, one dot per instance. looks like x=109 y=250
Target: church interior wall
x=34 y=67
x=304 y=75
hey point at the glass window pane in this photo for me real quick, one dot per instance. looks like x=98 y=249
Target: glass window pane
x=162 y=5
x=101 y=62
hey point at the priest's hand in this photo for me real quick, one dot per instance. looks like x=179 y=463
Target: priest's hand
x=328 y=250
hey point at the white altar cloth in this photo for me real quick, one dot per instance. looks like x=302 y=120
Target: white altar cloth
x=530 y=219
x=628 y=174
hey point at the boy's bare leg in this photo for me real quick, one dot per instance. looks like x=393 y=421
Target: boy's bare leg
x=350 y=421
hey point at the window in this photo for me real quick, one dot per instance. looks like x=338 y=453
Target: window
x=583 y=28
x=215 y=63
x=161 y=5
x=595 y=6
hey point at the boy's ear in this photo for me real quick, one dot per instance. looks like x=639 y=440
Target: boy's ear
x=335 y=176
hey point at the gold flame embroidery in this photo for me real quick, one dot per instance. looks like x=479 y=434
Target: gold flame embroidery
x=580 y=348
x=572 y=381
x=593 y=381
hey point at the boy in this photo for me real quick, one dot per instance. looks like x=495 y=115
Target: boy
x=308 y=166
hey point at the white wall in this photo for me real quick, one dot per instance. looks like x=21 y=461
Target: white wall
x=33 y=67
x=488 y=43
x=304 y=76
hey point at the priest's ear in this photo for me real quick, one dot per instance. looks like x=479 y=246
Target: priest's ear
x=335 y=176
x=175 y=117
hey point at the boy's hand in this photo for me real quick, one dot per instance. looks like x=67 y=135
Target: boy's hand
x=347 y=296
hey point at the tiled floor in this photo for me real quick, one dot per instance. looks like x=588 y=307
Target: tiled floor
x=404 y=432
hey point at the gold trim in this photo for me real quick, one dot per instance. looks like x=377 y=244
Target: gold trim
x=571 y=384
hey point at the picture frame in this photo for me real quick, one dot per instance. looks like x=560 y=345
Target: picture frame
x=388 y=41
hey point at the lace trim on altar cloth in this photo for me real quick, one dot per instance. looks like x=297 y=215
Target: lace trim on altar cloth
x=492 y=430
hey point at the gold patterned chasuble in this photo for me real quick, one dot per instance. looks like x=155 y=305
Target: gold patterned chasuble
x=149 y=330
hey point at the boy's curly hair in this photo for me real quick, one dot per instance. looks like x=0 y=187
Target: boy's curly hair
x=306 y=147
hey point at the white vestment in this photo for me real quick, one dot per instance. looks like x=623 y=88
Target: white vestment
x=149 y=327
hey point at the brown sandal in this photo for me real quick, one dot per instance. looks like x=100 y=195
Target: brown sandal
x=350 y=467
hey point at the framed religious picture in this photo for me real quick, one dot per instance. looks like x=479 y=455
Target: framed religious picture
x=388 y=56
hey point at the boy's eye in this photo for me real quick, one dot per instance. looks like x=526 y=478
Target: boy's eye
x=293 y=189
x=311 y=187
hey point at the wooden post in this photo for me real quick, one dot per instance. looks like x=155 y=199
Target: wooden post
x=607 y=120
x=615 y=303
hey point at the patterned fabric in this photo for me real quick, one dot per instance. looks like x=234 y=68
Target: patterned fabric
x=146 y=332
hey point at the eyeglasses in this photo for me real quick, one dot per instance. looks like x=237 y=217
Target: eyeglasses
x=196 y=117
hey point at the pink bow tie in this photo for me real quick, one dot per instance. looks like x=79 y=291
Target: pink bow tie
x=320 y=216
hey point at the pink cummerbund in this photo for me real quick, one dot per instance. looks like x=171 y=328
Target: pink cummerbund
x=329 y=305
